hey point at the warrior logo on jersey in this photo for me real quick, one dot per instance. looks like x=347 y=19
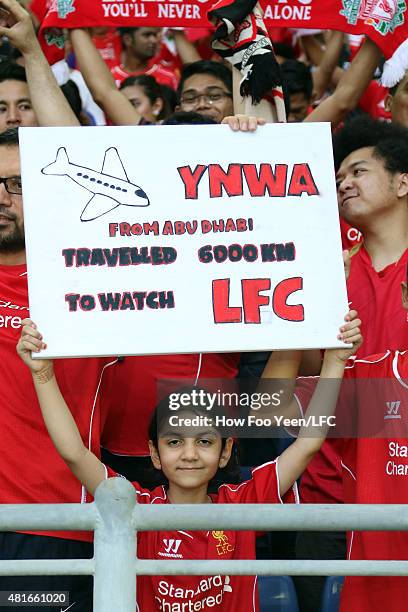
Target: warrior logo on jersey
x=172 y=545
x=383 y=15
x=392 y=410
x=223 y=546
x=171 y=548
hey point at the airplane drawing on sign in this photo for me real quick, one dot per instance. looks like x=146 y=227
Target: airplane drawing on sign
x=110 y=187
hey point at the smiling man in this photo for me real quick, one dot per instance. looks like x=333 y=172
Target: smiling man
x=372 y=178
x=371 y=159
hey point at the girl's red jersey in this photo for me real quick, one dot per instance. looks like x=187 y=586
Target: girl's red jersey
x=206 y=593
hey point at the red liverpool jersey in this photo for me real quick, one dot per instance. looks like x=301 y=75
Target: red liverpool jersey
x=377 y=298
x=132 y=393
x=206 y=593
x=321 y=482
x=33 y=472
x=350 y=236
x=374 y=469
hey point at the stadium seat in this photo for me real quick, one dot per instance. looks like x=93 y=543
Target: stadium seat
x=331 y=594
x=277 y=594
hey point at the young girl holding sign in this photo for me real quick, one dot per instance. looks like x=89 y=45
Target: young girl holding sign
x=189 y=459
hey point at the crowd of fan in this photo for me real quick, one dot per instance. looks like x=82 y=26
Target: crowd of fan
x=145 y=76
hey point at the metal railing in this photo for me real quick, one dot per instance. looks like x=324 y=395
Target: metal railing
x=115 y=517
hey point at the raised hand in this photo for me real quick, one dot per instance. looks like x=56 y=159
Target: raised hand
x=350 y=333
x=31 y=341
x=16 y=24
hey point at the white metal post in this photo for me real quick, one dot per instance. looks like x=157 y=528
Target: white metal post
x=115 y=547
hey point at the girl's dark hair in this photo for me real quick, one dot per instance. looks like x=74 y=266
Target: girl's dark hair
x=231 y=473
x=151 y=89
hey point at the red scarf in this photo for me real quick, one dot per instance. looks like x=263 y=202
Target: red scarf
x=384 y=21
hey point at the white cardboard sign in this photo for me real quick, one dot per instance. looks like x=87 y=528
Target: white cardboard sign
x=177 y=239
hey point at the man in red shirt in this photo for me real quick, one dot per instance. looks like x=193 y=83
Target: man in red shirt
x=32 y=470
x=371 y=462
x=373 y=402
x=372 y=176
x=372 y=172
x=140 y=45
x=375 y=472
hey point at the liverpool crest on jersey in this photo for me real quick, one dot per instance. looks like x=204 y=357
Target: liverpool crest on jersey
x=383 y=15
x=223 y=544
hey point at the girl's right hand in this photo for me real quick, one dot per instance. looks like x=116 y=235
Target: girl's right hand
x=31 y=341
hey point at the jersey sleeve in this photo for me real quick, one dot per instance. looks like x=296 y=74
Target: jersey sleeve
x=263 y=487
x=345 y=414
x=143 y=496
x=305 y=386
